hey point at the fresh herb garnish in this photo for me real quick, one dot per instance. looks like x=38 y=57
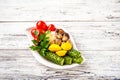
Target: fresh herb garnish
x=41 y=37
x=34 y=48
x=36 y=32
x=42 y=44
x=35 y=42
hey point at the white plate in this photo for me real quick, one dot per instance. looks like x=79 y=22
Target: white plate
x=45 y=61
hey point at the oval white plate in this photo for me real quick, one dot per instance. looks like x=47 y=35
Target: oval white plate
x=45 y=61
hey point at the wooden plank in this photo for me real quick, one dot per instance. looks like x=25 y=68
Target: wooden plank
x=87 y=35
x=19 y=27
x=63 y=10
x=21 y=64
x=83 y=43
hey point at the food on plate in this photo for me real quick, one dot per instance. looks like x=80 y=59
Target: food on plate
x=78 y=60
x=51 y=27
x=66 y=45
x=35 y=33
x=54 y=58
x=54 y=44
x=54 y=47
x=68 y=60
x=41 y=26
x=74 y=53
x=61 y=52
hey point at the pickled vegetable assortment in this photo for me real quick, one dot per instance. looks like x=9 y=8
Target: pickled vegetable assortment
x=54 y=44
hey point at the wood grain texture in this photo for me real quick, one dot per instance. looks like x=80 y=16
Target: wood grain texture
x=94 y=24
x=87 y=35
x=60 y=10
x=21 y=64
x=98 y=42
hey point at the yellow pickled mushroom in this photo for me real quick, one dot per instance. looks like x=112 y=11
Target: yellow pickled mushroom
x=54 y=47
x=61 y=52
x=66 y=46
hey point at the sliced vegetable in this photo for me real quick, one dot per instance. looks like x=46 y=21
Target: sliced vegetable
x=58 y=41
x=66 y=46
x=60 y=31
x=74 y=53
x=68 y=60
x=54 y=58
x=78 y=60
x=61 y=52
x=65 y=37
x=54 y=47
x=43 y=51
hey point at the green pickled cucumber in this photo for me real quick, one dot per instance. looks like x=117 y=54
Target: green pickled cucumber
x=78 y=60
x=54 y=58
x=68 y=60
x=74 y=53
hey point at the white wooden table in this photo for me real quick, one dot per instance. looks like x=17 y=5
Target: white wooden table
x=94 y=24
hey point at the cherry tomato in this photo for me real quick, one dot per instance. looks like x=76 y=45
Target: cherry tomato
x=41 y=31
x=51 y=27
x=35 y=33
x=41 y=25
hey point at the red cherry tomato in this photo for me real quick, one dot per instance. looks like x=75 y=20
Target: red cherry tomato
x=41 y=31
x=35 y=33
x=51 y=27
x=41 y=25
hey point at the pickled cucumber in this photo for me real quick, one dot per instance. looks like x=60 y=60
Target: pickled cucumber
x=68 y=60
x=78 y=60
x=74 y=53
x=54 y=58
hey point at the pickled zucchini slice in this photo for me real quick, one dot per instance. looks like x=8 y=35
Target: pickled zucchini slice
x=54 y=58
x=68 y=60
x=74 y=53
